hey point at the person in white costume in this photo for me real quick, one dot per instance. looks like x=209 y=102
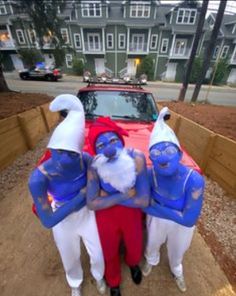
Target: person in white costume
x=176 y=201
x=64 y=177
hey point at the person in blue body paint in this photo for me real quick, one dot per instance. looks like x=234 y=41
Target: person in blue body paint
x=117 y=188
x=176 y=201
x=64 y=177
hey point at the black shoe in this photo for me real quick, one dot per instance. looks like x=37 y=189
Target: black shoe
x=136 y=274
x=115 y=291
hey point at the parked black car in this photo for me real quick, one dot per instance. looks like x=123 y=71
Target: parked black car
x=42 y=73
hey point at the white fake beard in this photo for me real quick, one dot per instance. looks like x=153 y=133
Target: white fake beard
x=120 y=174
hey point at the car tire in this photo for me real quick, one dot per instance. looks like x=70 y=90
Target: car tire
x=24 y=76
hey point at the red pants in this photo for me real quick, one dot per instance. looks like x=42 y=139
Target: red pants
x=115 y=224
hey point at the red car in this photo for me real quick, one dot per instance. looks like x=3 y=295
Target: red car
x=131 y=106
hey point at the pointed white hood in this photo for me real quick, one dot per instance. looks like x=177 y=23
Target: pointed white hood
x=161 y=131
x=69 y=134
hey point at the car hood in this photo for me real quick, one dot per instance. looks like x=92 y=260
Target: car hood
x=139 y=135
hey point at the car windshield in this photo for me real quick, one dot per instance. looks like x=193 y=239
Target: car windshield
x=119 y=104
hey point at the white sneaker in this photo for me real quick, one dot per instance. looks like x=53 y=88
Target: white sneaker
x=75 y=292
x=180 y=283
x=146 y=269
x=101 y=286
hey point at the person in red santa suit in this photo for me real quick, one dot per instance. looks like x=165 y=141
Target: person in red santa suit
x=117 y=189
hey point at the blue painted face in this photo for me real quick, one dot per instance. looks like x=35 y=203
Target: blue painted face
x=165 y=157
x=66 y=159
x=109 y=144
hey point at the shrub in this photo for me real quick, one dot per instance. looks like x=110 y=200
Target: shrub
x=221 y=71
x=196 y=70
x=30 y=56
x=146 y=67
x=78 y=66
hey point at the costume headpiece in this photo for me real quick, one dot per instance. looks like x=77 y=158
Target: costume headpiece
x=69 y=134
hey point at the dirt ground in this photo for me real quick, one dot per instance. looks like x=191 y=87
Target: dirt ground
x=30 y=264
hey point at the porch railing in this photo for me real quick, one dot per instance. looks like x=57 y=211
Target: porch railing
x=95 y=47
x=136 y=47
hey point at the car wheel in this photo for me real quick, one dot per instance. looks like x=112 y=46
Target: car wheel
x=49 y=78
x=24 y=76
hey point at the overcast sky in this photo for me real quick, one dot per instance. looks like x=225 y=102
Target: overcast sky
x=213 y=4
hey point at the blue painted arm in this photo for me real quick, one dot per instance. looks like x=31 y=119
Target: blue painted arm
x=142 y=192
x=38 y=184
x=194 y=199
x=97 y=199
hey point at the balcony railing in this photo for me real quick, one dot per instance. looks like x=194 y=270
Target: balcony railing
x=140 y=48
x=93 y=48
x=8 y=44
x=180 y=53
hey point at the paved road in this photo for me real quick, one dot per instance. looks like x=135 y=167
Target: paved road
x=161 y=90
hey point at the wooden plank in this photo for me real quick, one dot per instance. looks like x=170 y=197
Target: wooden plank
x=224 y=151
x=33 y=126
x=208 y=151
x=216 y=170
x=12 y=145
x=52 y=118
x=8 y=123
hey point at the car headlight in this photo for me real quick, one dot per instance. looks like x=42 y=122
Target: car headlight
x=126 y=78
x=143 y=78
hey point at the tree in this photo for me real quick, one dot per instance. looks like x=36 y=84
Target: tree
x=209 y=50
x=3 y=83
x=220 y=71
x=46 y=23
x=196 y=70
x=193 y=51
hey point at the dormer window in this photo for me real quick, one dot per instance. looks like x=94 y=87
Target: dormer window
x=91 y=9
x=140 y=9
x=186 y=16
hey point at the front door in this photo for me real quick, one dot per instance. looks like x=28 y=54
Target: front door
x=171 y=71
x=99 y=66
x=17 y=62
x=131 y=67
x=232 y=76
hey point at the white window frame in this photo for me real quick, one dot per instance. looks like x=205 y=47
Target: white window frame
x=224 y=51
x=20 y=34
x=67 y=35
x=216 y=51
x=87 y=5
x=162 y=44
x=110 y=35
x=99 y=42
x=135 y=8
x=69 y=60
x=3 y=9
x=234 y=29
x=77 y=35
x=179 y=53
x=124 y=41
x=152 y=37
x=30 y=36
x=233 y=58
x=185 y=10
x=137 y=47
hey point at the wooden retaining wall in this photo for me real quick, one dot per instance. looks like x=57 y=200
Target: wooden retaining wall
x=215 y=154
x=22 y=132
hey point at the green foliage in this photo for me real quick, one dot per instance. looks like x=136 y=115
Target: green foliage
x=30 y=56
x=78 y=66
x=221 y=72
x=59 y=56
x=146 y=67
x=196 y=70
x=44 y=18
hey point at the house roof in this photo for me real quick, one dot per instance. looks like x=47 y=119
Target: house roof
x=226 y=26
